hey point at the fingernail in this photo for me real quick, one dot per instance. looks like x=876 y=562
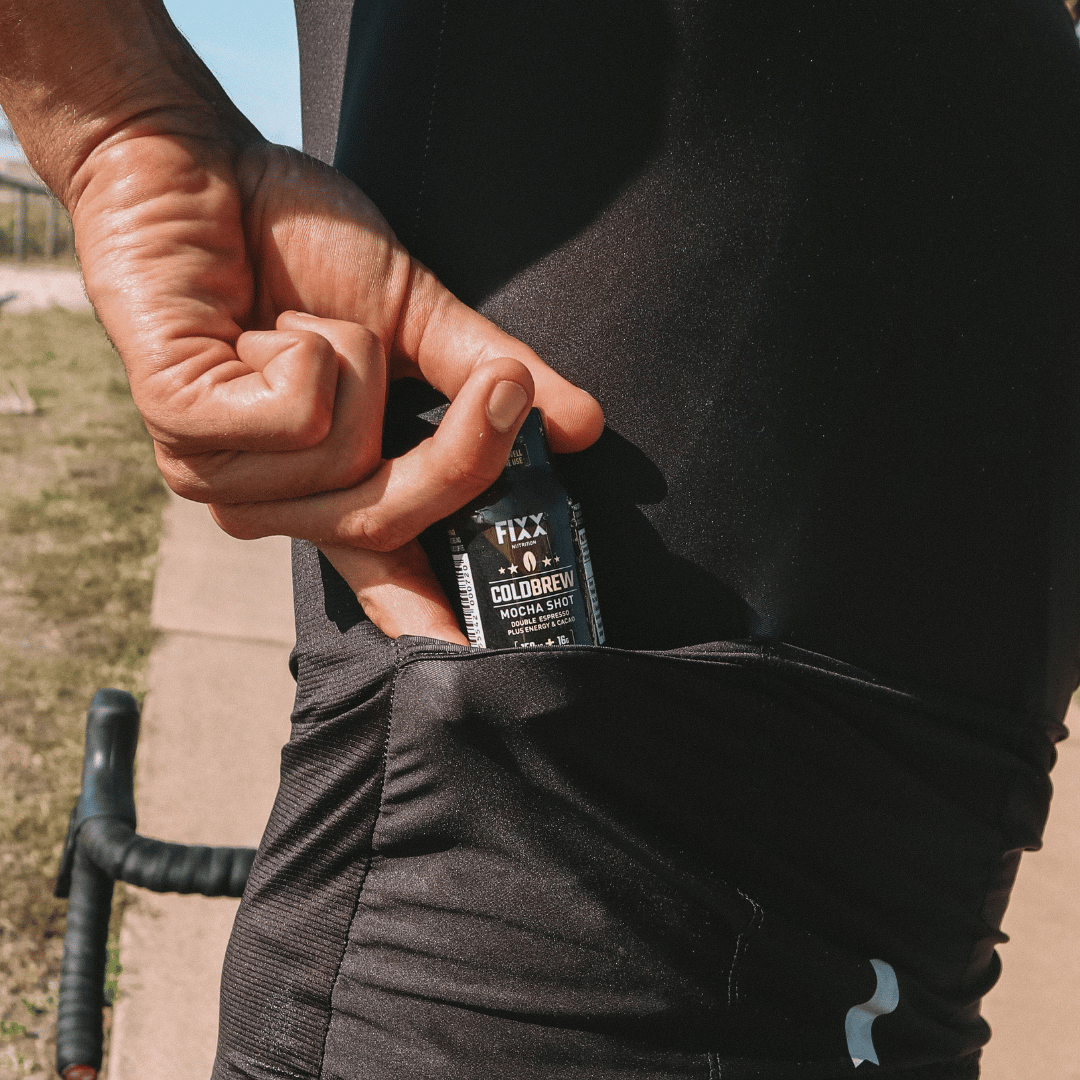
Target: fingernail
x=505 y=405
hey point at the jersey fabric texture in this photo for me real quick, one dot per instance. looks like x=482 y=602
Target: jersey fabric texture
x=818 y=264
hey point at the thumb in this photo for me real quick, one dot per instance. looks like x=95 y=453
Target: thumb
x=443 y=341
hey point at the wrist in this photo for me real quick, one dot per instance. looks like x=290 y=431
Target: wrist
x=81 y=77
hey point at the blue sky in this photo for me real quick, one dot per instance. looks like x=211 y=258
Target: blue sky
x=250 y=45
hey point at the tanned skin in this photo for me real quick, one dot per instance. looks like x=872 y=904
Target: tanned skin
x=261 y=304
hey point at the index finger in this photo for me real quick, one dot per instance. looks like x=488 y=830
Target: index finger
x=405 y=495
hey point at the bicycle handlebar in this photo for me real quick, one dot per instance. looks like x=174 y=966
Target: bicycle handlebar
x=163 y=867
x=102 y=847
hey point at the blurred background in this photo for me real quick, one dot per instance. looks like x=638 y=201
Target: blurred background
x=81 y=522
x=250 y=45
x=81 y=508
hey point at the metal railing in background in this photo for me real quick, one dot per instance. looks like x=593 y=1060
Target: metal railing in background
x=24 y=189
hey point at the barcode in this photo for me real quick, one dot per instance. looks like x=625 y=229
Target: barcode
x=586 y=572
x=470 y=608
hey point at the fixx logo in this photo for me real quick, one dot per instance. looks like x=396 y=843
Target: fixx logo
x=516 y=529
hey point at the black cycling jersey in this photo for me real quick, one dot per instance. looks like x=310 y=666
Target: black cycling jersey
x=818 y=266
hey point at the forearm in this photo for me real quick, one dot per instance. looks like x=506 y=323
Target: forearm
x=79 y=75
x=201 y=245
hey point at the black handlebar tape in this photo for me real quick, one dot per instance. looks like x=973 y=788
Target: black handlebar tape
x=102 y=847
x=163 y=867
x=109 y=850
x=82 y=977
x=112 y=733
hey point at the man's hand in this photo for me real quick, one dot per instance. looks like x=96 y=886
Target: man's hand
x=260 y=304
x=197 y=263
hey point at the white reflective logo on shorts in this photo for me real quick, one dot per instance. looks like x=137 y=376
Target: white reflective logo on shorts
x=860 y=1018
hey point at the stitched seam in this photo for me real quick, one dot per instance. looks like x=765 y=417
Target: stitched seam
x=740 y=942
x=371 y=857
x=731 y=972
x=744 y=661
x=431 y=117
x=714 y=1067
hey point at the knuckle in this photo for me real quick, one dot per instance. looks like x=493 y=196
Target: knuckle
x=360 y=464
x=310 y=427
x=373 y=533
x=368 y=460
x=182 y=480
x=368 y=340
x=198 y=477
x=471 y=476
x=187 y=489
x=235 y=521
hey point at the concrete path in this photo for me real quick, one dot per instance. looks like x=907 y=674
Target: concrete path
x=207 y=770
x=207 y=767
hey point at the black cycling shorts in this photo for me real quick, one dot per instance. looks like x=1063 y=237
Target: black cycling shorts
x=819 y=265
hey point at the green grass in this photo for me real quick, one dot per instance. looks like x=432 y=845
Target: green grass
x=80 y=514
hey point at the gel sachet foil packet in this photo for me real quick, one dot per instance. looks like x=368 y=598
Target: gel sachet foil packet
x=521 y=557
